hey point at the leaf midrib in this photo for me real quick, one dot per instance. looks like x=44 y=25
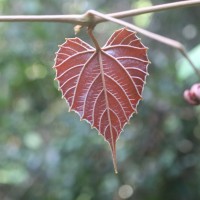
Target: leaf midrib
x=99 y=52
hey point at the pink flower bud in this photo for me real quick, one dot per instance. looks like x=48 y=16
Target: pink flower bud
x=192 y=96
x=196 y=90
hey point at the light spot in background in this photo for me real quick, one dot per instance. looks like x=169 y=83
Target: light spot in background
x=52 y=157
x=185 y=146
x=142 y=20
x=32 y=140
x=125 y=191
x=36 y=71
x=189 y=160
x=13 y=145
x=172 y=124
x=189 y=31
x=31 y=7
x=76 y=5
x=161 y=57
x=84 y=196
x=13 y=175
x=197 y=132
x=184 y=70
x=22 y=105
x=2 y=5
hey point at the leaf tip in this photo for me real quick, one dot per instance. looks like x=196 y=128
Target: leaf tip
x=113 y=151
x=115 y=166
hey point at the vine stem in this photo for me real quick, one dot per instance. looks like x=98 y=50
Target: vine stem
x=84 y=20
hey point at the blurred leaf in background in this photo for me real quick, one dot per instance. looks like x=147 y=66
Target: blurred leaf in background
x=47 y=153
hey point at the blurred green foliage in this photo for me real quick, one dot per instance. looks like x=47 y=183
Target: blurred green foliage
x=48 y=154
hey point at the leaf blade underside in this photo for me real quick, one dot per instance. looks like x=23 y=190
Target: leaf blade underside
x=103 y=86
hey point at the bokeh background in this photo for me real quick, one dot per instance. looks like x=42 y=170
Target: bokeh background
x=46 y=153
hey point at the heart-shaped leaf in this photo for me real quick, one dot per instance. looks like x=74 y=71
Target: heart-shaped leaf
x=103 y=85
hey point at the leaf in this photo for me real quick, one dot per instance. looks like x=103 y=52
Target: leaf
x=103 y=85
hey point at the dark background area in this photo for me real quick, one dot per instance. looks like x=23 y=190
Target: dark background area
x=46 y=153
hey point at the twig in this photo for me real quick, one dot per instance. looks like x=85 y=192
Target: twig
x=155 y=8
x=85 y=21
x=73 y=19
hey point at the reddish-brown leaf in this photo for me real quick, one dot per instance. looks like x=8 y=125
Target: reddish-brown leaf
x=105 y=85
